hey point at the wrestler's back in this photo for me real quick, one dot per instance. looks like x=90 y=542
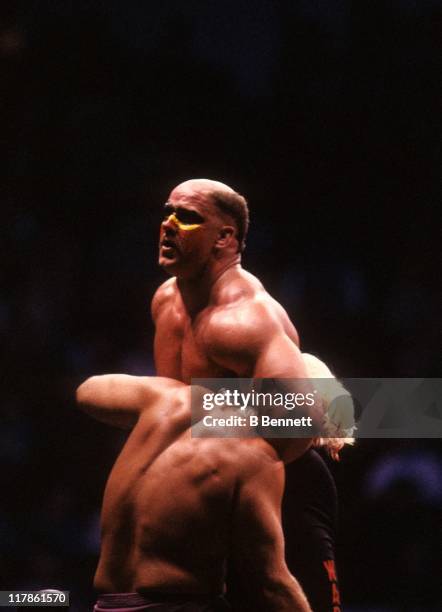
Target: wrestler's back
x=166 y=509
x=183 y=343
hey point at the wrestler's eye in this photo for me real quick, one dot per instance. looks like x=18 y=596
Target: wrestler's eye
x=188 y=217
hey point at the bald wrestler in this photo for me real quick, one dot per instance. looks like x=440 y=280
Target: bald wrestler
x=176 y=508
x=214 y=319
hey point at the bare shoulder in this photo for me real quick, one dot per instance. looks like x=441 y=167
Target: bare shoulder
x=237 y=284
x=168 y=408
x=240 y=294
x=261 y=471
x=246 y=313
x=248 y=458
x=162 y=385
x=244 y=323
x=166 y=400
x=258 y=453
x=248 y=332
x=164 y=294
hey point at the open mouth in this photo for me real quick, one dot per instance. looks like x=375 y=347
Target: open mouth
x=167 y=243
x=168 y=248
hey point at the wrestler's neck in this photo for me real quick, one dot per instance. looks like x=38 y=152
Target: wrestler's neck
x=200 y=290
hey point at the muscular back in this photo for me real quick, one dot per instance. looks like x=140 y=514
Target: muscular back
x=222 y=336
x=172 y=503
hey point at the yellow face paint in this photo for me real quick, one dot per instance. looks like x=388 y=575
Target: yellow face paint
x=186 y=227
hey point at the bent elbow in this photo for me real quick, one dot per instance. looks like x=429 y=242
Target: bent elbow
x=84 y=392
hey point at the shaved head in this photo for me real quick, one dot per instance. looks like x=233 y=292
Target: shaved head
x=226 y=199
x=206 y=185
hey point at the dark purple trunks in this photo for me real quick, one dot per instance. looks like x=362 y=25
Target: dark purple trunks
x=159 y=602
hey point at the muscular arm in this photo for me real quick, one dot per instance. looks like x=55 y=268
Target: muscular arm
x=253 y=342
x=262 y=580
x=118 y=399
x=282 y=360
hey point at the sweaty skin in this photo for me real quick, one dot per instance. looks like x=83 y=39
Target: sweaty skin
x=213 y=319
x=176 y=508
x=236 y=333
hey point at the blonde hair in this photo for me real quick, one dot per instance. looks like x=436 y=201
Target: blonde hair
x=329 y=389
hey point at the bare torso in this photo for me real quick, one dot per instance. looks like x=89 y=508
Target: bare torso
x=167 y=488
x=186 y=344
x=169 y=501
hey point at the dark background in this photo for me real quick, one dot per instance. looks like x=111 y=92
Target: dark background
x=326 y=116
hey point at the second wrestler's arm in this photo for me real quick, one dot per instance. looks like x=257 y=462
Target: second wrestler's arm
x=118 y=399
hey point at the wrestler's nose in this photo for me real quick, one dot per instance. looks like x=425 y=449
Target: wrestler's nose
x=169 y=225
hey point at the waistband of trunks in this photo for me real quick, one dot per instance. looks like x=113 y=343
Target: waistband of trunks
x=128 y=600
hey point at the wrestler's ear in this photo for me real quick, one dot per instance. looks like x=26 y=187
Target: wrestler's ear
x=225 y=236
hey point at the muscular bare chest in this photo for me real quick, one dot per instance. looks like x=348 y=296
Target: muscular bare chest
x=181 y=351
